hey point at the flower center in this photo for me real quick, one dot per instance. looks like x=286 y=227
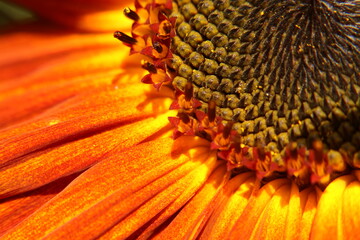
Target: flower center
x=273 y=84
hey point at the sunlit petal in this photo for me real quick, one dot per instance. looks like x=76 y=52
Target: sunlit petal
x=187 y=224
x=350 y=218
x=264 y=124
x=328 y=219
x=229 y=205
x=104 y=192
x=309 y=200
x=258 y=202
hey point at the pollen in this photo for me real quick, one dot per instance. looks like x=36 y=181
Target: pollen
x=274 y=85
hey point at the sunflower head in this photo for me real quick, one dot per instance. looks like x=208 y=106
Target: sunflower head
x=274 y=85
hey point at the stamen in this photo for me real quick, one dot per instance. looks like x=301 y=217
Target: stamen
x=131 y=14
x=167 y=27
x=149 y=67
x=184 y=117
x=124 y=38
x=157 y=46
x=227 y=129
x=318 y=148
x=188 y=90
x=211 y=110
x=269 y=98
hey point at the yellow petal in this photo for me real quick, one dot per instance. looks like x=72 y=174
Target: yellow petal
x=281 y=217
x=188 y=221
x=350 y=218
x=229 y=206
x=328 y=219
x=309 y=201
x=165 y=204
x=244 y=226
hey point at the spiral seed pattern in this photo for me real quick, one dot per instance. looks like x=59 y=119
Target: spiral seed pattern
x=281 y=70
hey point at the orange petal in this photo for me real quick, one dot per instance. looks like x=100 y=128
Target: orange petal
x=41 y=92
x=189 y=218
x=281 y=217
x=309 y=201
x=15 y=209
x=294 y=213
x=229 y=206
x=58 y=81
x=350 y=218
x=42 y=167
x=80 y=6
x=112 y=189
x=35 y=42
x=83 y=15
x=86 y=114
x=328 y=219
x=258 y=201
x=165 y=204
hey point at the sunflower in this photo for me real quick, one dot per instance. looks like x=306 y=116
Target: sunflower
x=229 y=120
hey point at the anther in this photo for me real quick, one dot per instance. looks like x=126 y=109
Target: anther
x=189 y=89
x=167 y=27
x=227 y=129
x=131 y=14
x=124 y=38
x=317 y=146
x=253 y=102
x=261 y=153
x=211 y=110
x=149 y=67
x=184 y=117
x=237 y=147
x=157 y=46
x=292 y=147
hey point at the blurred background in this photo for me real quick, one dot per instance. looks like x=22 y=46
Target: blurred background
x=11 y=13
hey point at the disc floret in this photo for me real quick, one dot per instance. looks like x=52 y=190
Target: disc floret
x=252 y=89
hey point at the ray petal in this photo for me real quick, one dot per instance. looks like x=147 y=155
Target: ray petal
x=189 y=219
x=350 y=218
x=229 y=206
x=115 y=188
x=83 y=15
x=309 y=198
x=82 y=115
x=42 y=167
x=67 y=65
x=15 y=209
x=244 y=226
x=281 y=217
x=165 y=204
x=327 y=222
